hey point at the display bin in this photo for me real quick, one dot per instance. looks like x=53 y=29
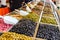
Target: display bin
x=39 y=24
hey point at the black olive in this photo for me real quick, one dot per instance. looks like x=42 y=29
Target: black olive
x=48 y=32
x=24 y=26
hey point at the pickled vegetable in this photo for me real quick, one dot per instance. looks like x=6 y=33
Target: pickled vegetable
x=37 y=9
x=48 y=32
x=40 y=4
x=32 y=16
x=14 y=36
x=3 y=26
x=47 y=10
x=24 y=26
x=48 y=15
x=48 y=20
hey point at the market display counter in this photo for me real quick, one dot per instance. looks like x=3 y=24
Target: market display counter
x=31 y=22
